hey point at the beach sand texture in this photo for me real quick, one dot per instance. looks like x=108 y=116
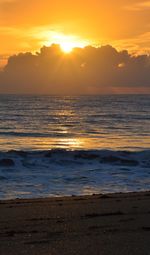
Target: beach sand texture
x=116 y=224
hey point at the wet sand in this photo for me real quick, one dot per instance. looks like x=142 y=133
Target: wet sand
x=116 y=224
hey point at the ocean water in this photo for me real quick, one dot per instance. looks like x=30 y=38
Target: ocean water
x=73 y=145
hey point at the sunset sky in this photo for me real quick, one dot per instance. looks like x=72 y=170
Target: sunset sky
x=25 y=26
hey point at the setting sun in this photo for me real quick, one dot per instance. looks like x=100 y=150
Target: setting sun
x=66 y=42
x=67 y=47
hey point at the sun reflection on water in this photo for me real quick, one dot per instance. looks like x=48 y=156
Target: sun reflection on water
x=71 y=143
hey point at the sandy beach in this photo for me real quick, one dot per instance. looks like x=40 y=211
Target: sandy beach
x=99 y=224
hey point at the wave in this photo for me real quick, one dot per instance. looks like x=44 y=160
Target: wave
x=36 y=134
x=122 y=158
x=58 y=172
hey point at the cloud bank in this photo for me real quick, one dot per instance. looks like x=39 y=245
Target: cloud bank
x=85 y=71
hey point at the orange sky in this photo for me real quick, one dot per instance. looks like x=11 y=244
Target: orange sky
x=27 y=25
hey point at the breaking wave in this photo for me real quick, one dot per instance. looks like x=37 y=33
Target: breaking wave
x=60 y=172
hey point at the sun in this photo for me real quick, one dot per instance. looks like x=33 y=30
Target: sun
x=67 y=42
x=67 y=47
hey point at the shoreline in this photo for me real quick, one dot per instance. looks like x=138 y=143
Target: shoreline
x=114 y=223
x=72 y=197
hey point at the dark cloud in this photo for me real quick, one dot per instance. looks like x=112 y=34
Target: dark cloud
x=88 y=70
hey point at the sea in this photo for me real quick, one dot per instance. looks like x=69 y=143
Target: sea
x=73 y=145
